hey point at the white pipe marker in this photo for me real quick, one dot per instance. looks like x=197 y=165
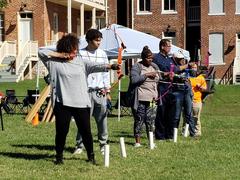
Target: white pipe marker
x=186 y=130
x=175 y=131
x=122 y=147
x=151 y=143
x=106 y=155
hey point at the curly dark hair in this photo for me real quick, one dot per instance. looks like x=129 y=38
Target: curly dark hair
x=93 y=34
x=68 y=43
x=146 y=52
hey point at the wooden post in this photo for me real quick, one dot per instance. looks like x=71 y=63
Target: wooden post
x=43 y=95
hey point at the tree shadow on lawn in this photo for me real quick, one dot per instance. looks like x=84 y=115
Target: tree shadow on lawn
x=36 y=156
x=18 y=155
x=42 y=147
x=26 y=156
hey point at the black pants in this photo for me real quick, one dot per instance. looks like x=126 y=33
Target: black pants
x=63 y=116
x=163 y=118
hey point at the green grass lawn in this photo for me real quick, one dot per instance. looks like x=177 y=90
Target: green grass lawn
x=27 y=152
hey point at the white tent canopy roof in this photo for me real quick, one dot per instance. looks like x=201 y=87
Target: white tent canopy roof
x=114 y=35
x=134 y=41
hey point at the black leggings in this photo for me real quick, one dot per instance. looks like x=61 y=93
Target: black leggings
x=63 y=116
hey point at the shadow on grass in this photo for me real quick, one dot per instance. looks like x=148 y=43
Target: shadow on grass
x=26 y=156
x=34 y=157
x=42 y=147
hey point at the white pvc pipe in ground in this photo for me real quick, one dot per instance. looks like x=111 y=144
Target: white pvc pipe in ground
x=151 y=143
x=122 y=147
x=186 y=130
x=175 y=131
x=106 y=155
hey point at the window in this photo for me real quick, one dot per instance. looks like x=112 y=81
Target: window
x=169 y=5
x=216 y=7
x=171 y=35
x=216 y=48
x=55 y=27
x=100 y=22
x=1 y=27
x=237 y=6
x=144 y=5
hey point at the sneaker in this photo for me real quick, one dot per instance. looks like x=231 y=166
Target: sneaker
x=136 y=145
x=59 y=159
x=91 y=159
x=78 y=150
x=58 y=162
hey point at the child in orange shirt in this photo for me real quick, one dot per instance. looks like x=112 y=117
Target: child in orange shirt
x=198 y=86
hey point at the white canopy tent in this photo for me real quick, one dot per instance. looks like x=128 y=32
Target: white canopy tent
x=114 y=35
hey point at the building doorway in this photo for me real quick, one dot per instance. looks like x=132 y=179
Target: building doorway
x=122 y=10
x=25 y=29
x=193 y=30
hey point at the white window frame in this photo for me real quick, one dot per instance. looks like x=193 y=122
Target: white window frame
x=212 y=6
x=237 y=7
x=169 y=11
x=145 y=12
x=216 y=48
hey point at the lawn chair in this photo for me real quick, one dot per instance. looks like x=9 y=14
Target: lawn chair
x=11 y=103
x=125 y=104
x=30 y=99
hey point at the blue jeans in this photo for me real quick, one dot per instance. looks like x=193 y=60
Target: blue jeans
x=175 y=110
x=187 y=111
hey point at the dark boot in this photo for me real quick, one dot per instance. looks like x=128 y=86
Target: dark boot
x=59 y=159
x=91 y=158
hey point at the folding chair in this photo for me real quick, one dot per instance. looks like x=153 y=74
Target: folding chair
x=12 y=102
x=30 y=99
x=125 y=104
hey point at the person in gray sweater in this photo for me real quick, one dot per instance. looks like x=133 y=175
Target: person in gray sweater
x=68 y=80
x=143 y=84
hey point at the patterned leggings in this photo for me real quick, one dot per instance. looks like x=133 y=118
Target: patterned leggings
x=146 y=113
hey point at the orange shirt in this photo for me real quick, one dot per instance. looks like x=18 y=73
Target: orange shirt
x=200 y=81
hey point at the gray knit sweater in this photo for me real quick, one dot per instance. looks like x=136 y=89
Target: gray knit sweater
x=69 y=78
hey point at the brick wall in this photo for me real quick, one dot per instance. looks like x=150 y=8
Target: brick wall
x=228 y=24
x=112 y=11
x=156 y=22
x=42 y=19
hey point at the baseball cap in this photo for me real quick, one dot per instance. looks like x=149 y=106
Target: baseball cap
x=178 y=55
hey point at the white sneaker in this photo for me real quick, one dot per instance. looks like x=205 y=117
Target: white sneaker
x=78 y=151
x=136 y=145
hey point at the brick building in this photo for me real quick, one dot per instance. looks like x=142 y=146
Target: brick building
x=198 y=26
x=27 y=24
